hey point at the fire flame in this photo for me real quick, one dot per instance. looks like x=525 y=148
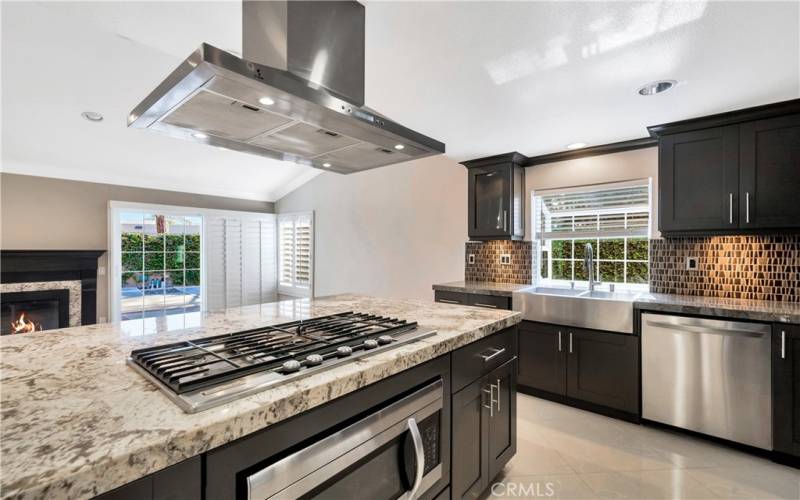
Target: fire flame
x=23 y=325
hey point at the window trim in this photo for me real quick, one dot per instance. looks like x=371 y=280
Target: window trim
x=539 y=237
x=294 y=291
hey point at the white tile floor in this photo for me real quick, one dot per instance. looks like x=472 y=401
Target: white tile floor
x=563 y=452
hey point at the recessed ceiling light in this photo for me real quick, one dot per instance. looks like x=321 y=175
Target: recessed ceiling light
x=92 y=116
x=399 y=147
x=266 y=101
x=658 y=87
x=326 y=165
x=576 y=145
x=199 y=135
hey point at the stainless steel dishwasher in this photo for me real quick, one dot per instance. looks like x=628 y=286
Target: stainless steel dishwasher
x=710 y=376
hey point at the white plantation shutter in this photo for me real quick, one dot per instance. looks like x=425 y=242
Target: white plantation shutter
x=611 y=210
x=240 y=260
x=296 y=254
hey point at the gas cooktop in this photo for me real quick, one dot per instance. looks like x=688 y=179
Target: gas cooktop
x=202 y=373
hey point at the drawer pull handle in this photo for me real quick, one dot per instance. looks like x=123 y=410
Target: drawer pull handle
x=490 y=392
x=489 y=357
x=485 y=305
x=783 y=344
x=448 y=301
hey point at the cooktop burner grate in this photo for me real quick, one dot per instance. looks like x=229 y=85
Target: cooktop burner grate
x=283 y=349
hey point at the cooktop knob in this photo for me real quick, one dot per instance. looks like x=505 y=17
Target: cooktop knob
x=291 y=366
x=313 y=360
x=370 y=344
x=344 y=350
x=385 y=339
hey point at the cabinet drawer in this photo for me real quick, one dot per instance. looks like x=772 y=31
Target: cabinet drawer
x=450 y=297
x=489 y=301
x=479 y=358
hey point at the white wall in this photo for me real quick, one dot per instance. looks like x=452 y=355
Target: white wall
x=628 y=165
x=391 y=231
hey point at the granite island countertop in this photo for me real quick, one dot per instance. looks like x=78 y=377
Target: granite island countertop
x=757 y=310
x=77 y=421
x=482 y=287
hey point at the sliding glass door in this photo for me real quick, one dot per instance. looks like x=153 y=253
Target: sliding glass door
x=160 y=257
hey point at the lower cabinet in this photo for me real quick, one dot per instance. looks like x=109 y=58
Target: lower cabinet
x=181 y=481
x=484 y=430
x=596 y=367
x=786 y=389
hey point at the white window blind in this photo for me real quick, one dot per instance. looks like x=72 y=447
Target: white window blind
x=615 y=210
x=240 y=260
x=296 y=254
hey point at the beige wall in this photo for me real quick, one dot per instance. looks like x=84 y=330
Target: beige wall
x=392 y=231
x=629 y=165
x=40 y=213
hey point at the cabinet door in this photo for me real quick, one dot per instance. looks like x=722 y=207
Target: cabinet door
x=770 y=173
x=502 y=417
x=542 y=357
x=698 y=175
x=469 y=461
x=489 y=201
x=786 y=389
x=603 y=368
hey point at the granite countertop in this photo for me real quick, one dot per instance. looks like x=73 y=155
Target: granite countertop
x=758 y=310
x=77 y=421
x=483 y=287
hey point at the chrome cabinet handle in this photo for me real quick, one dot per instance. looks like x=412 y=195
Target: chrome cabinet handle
x=747 y=207
x=505 y=220
x=490 y=392
x=448 y=301
x=570 y=342
x=498 y=396
x=485 y=305
x=559 y=341
x=419 y=452
x=497 y=352
x=783 y=344
x=730 y=208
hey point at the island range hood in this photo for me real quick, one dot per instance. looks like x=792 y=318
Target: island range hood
x=297 y=94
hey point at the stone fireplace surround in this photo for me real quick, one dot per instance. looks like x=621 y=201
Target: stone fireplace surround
x=38 y=270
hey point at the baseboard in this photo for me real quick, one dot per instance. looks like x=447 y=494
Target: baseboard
x=577 y=403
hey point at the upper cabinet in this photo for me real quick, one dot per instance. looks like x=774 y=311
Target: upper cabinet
x=495 y=198
x=730 y=173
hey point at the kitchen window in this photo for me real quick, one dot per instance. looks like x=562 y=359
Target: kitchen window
x=614 y=218
x=296 y=254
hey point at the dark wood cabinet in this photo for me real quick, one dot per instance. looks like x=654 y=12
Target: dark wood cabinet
x=484 y=412
x=730 y=173
x=770 y=173
x=603 y=368
x=576 y=365
x=542 y=357
x=698 y=177
x=786 y=389
x=181 y=481
x=495 y=197
x=473 y=299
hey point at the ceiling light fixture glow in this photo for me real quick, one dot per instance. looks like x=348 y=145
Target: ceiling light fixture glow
x=266 y=101
x=199 y=135
x=92 y=116
x=326 y=165
x=399 y=147
x=658 y=87
x=576 y=145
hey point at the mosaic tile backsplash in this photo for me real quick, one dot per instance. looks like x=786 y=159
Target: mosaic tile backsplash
x=760 y=267
x=487 y=266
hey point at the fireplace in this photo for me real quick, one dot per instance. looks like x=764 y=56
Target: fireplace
x=54 y=288
x=25 y=312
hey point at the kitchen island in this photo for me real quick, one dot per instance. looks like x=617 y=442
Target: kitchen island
x=77 y=421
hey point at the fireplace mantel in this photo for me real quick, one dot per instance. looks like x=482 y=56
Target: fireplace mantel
x=22 y=266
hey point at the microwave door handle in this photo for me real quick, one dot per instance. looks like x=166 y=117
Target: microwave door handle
x=419 y=451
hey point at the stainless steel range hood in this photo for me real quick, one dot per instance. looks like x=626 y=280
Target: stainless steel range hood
x=296 y=95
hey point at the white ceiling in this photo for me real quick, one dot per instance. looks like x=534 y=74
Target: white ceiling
x=483 y=77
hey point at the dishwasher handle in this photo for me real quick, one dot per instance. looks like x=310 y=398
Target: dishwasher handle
x=681 y=327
